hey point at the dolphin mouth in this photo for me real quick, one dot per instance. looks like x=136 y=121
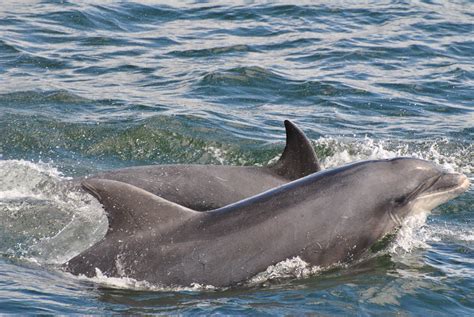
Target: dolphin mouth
x=447 y=184
x=446 y=187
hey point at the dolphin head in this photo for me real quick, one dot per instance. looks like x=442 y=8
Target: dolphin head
x=363 y=203
x=375 y=197
x=418 y=185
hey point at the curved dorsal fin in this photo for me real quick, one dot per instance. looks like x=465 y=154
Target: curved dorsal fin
x=298 y=158
x=130 y=209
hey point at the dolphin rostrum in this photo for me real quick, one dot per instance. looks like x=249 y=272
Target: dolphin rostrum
x=324 y=218
x=206 y=187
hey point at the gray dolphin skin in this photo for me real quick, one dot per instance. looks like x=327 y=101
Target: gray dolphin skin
x=206 y=187
x=327 y=217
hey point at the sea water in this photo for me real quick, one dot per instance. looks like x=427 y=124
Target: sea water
x=95 y=85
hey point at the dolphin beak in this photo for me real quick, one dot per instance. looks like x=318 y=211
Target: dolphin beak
x=466 y=183
x=446 y=187
x=454 y=183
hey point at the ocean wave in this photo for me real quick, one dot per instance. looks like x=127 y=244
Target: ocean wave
x=183 y=139
x=238 y=48
x=32 y=97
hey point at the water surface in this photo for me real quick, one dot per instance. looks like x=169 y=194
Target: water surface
x=95 y=86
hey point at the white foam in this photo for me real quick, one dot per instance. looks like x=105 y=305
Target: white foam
x=218 y=154
x=467 y=237
x=47 y=219
x=449 y=232
x=130 y=283
x=289 y=268
x=451 y=157
x=411 y=235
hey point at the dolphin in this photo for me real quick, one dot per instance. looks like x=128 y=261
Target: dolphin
x=333 y=216
x=207 y=187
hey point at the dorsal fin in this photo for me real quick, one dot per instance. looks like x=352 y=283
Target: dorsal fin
x=130 y=208
x=298 y=158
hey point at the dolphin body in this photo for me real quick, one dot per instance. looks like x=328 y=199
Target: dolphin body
x=207 y=187
x=325 y=218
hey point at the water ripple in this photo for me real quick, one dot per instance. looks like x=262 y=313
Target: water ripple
x=96 y=85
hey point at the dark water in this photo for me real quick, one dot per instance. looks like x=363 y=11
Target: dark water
x=88 y=87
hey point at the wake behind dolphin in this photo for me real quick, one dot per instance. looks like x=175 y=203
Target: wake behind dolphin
x=324 y=218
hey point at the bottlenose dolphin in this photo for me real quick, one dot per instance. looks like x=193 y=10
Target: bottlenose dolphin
x=206 y=187
x=327 y=217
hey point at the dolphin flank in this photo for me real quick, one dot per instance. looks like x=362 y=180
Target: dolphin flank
x=326 y=217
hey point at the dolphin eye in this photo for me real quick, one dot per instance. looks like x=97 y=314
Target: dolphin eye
x=404 y=199
x=401 y=200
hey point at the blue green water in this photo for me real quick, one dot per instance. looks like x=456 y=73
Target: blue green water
x=102 y=85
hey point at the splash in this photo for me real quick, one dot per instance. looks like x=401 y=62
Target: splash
x=294 y=268
x=412 y=234
x=131 y=283
x=443 y=152
x=44 y=218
